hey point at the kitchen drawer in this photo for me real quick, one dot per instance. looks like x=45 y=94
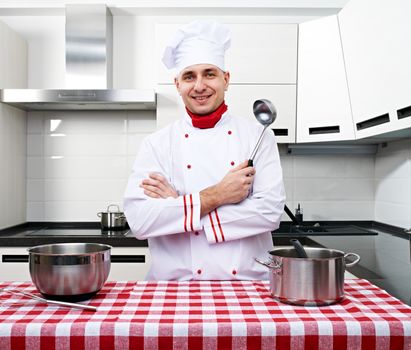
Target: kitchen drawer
x=14 y=264
x=129 y=264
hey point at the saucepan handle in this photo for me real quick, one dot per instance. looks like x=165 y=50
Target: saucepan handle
x=114 y=206
x=357 y=259
x=270 y=264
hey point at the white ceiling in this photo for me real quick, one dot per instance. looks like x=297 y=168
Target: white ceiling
x=15 y=13
x=56 y=7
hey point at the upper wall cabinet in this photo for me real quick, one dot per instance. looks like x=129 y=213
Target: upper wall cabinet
x=259 y=53
x=13 y=59
x=262 y=61
x=240 y=99
x=323 y=106
x=376 y=40
x=169 y=105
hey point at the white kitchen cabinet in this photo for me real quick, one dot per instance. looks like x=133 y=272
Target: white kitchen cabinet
x=323 y=105
x=262 y=61
x=14 y=264
x=128 y=264
x=169 y=105
x=259 y=53
x=376 y=37
x=240 y=99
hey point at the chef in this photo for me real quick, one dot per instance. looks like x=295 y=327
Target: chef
x=205 y=212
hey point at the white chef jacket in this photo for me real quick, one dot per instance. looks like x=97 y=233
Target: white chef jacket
x=222 y=244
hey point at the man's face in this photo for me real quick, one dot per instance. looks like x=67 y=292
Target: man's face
x=202 y=87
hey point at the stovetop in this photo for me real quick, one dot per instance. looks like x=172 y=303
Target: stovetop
x=77 y=232
x=316 y=229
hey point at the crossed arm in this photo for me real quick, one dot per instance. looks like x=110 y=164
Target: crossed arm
x=233 y=188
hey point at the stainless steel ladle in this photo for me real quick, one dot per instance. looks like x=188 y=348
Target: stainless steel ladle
x=265 y=113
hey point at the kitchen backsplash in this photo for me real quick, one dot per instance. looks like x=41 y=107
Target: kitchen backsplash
x=79 y=162
x=392 y=183
x=330 y=187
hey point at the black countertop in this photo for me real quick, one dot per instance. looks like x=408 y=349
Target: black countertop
x=37 y=233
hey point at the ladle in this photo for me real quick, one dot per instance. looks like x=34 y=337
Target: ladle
x=265 y=113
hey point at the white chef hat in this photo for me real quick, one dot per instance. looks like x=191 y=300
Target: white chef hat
x=199 y=42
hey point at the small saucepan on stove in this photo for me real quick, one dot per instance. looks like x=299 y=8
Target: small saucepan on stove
x=315 y=280
x=112 y=219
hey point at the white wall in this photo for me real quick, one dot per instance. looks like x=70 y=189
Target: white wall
x=13 y=166
x=13 y=74
x=393 y=184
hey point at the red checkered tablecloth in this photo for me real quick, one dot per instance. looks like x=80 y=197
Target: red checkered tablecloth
x=205 y=315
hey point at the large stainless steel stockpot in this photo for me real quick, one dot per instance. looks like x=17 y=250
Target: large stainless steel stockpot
x=113 y=219
x=312 y=281
x=69 y=271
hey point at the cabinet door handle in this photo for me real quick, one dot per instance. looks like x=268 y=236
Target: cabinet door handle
x=280 y=132
x=385 y=118
x=335 y=129
x=14 y=258
x=128 y=259
x=404 y=112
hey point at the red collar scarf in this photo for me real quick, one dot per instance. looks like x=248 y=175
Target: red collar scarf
x=209 y=120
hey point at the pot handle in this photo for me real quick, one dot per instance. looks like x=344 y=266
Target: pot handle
x=113 y=205
x=358 y=258
x=270 y=265
x=99 y=214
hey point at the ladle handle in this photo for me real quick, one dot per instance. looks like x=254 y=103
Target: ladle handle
x=254 y=152
x=250 y=162
x=301 y=253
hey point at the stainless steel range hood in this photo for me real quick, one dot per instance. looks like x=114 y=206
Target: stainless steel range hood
x=89 y=37
x=89 y=99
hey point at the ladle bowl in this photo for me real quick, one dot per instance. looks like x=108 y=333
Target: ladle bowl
x=265 y=113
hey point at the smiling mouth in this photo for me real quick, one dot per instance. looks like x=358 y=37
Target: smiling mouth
x=201 y=98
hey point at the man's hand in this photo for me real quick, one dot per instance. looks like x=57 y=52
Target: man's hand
x=157 y=186
x=233 y=188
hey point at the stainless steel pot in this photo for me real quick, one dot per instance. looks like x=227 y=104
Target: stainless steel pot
x=112 y=220
x=69 y=271
x=312 y=281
